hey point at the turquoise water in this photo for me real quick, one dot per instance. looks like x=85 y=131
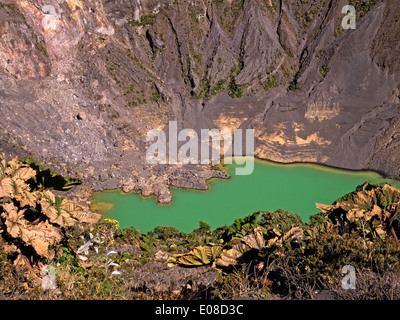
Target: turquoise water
x=271 y=186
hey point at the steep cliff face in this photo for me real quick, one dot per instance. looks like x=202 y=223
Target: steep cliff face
x=81 y=82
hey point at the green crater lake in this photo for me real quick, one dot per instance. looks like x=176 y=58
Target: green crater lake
x=271 y=186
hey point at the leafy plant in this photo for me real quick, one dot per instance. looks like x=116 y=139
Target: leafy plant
x=46 y=178
x=59 y=210
x=295 y=233
x=104 y=237
x=318 y=55
x=254 y=240
x=234 y=90
x=242 y=283
x=203 y=230
x=280 y=220
x=13 y=184
x=270 y=83
x=324 y=70
x=362 y=6
x=294 y=85
x=40 y=236
x=218 y=87
x=242 y=227
x=165 y=233
x=199 y=256
x=145 y=20
x=33 y=217
x=371 y=209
